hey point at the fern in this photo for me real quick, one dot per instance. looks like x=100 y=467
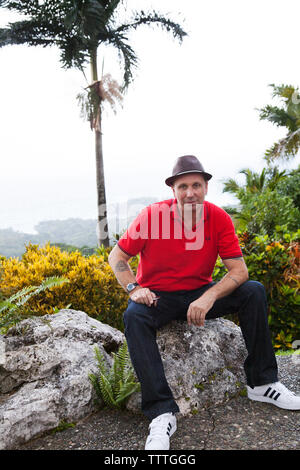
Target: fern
x=125 y=390
x=12 y=310
x=120 y=359
x=116 y=384
x=107 y=391
x=9 y=303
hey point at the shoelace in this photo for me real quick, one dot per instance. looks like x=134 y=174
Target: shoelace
x=283 y=390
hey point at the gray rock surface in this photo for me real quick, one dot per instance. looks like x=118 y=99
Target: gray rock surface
x=45 y=362
x=239 y=424
x=203 y=365
x=44 y=366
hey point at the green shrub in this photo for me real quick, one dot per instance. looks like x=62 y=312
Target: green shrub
x=262 y=212
x=274 y=261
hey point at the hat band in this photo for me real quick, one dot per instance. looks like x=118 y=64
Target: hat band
x=188 y=171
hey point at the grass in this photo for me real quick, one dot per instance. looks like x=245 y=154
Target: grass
x=287 y=353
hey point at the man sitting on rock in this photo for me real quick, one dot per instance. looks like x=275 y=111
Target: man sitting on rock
x=178 y=241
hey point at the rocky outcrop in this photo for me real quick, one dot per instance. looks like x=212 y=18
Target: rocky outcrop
x=45 y=362
x=203 y=365
x=44 y=367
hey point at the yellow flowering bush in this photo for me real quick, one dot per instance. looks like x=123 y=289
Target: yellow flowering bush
x=93 y=287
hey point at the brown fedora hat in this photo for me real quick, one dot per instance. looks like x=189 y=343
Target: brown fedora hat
x=187 y=164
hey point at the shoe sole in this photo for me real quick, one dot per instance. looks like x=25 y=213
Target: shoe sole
x=272 y=402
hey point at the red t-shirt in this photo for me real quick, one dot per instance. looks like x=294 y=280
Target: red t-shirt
x=173 y=258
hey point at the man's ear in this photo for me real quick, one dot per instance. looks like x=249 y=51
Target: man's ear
x=206 y=187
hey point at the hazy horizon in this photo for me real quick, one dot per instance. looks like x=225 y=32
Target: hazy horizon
x=27 y=226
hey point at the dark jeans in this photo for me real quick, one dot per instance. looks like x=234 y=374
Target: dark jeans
x=141 y=323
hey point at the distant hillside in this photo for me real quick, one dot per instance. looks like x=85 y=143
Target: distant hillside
x=73 y=231
x=12 y=243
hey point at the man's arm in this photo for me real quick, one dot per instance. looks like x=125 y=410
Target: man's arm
x=237 y=275
x=118 y=261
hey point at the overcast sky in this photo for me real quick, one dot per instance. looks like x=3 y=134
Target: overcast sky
x=198 y=98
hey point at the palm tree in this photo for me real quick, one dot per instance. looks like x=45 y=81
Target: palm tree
x=287 y=116
x=255 y=185
x=78 y=28
x=255 y=182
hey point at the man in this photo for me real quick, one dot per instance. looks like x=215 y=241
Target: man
x=179 y=241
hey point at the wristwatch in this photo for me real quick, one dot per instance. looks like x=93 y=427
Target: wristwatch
x=131 y=286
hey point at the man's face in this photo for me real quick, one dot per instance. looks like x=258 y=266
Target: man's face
x=190 y=190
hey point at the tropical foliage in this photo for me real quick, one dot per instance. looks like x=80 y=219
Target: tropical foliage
x=267 y=220
x=291 y=186
x=114 y=385
x=275 y=262
x=286 y=116
x=14 y=309
x=79 y=27
x=264 y=201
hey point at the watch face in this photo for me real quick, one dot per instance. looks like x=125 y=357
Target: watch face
x=130 y=287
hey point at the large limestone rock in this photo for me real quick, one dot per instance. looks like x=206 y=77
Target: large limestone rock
x=44 y=366
x=203 y=365
x=45 y=362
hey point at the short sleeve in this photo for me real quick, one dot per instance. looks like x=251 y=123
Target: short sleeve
x=133 y=240
x=228 y=242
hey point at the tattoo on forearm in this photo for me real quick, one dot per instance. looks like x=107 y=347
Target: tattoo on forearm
x=234 y=280
x=121 y=266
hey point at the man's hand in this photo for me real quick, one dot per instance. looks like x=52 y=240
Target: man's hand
x=198 y=309
x=237 y=275
x=143 y=295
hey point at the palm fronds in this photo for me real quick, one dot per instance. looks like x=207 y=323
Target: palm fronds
x=287 y=116
x=79 y=27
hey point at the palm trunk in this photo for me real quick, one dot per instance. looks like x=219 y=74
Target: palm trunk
x=102 y=225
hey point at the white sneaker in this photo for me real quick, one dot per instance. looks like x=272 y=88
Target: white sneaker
x=161 y=429
x=275 y=393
